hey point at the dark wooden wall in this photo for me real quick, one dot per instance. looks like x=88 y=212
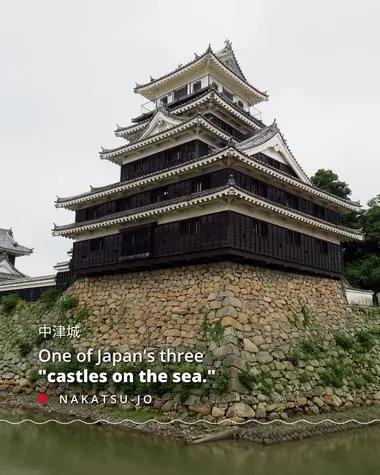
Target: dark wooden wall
x=219 y=231
x=168 y=158
x=63 y=280
x=209 y=181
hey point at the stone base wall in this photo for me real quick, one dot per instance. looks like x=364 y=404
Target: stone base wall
x=168 y=306
x=277 y=336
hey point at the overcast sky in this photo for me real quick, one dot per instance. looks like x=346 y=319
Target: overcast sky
x=68 y=68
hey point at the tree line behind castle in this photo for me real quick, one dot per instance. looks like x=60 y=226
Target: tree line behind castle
x=361 y=259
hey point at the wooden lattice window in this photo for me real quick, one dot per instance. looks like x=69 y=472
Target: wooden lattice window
x=197 y=86
x=96 y=245
x=179 y=93
x=191 y=226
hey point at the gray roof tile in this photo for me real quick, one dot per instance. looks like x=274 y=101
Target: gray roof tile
x=10 y=246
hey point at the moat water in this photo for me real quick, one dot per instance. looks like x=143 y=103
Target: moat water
x=52 y=449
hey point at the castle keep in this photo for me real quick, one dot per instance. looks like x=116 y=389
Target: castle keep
x=203 y=179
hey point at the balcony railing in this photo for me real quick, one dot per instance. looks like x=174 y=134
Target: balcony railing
x=252 y=111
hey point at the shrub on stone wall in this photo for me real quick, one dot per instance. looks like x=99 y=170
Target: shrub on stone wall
x=9 y=303
x=68 y=303
x=49 y=298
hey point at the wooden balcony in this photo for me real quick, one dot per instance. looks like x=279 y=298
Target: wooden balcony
x=219 y=236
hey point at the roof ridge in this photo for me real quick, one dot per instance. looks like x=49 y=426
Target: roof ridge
x=230 y=184
x=198 y=58
x=142 y=208
x=186 y=121
x=209 y=155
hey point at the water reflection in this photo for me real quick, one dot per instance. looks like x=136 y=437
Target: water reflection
x=67 y=450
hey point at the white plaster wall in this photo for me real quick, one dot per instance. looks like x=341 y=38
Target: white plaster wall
x=359 y=297
x=276 y=155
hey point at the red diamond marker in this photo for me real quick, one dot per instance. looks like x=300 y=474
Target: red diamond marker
x=43 y=398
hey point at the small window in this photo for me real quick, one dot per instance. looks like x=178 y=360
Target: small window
x=156 y=197
x=214 y=86
x=197 y=186
x=197 y=86
x=263 y=190
x=195 y=227
x=294 y=238
x=322 y=247
x=122 y=205
x=189 y=227
x=228 y=94
x=201 y=184
x=319 y=211
x=159 y=195
x=240 y=104
x=179 y=93
x=288 y=200
x=96 y=245
x=164 y=100
x=264 y=230
x=260 y=228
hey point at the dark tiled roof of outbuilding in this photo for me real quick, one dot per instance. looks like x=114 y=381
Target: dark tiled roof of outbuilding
x=10 y=246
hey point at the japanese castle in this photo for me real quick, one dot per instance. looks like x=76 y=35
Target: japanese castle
x=12 y=281
x=9 y=250
x=203 y=179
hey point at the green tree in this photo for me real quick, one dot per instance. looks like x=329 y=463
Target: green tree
x=363 y=258
x=365 y=273
x=329 y=181
x=371 y=221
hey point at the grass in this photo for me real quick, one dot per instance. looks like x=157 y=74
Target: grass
x=306 y=317
x=295 y=357
x=310 y=348
x=221 y=382
x=133 y=414
x=69 y=303
x=49 y=298
x=81 y=316
x=375 y=332
x=210 y=333
x=347 y=343
x=248 y=379
x=366 y=340
x=10 y=302
x=334 y=374
x=34 y=377
x=24 y=346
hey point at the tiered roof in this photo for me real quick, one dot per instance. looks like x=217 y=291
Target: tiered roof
x=269 y=134
x=223 y=61
x=116 y=154
x=8 y=271
x=230 y=190
x=200 y=99
x=9 y=246
x=186 y=116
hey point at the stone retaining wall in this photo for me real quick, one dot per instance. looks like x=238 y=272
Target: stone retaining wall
x=276 y=337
